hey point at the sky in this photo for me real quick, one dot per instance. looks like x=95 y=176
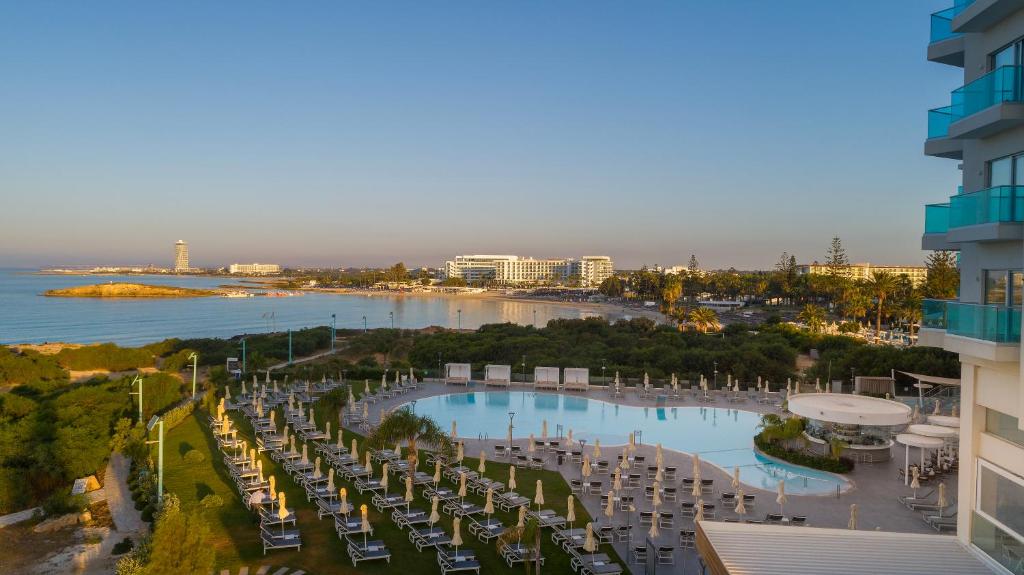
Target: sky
x=364 y=133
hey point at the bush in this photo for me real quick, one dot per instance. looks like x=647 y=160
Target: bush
x=212 y=501
x=824 y=463
x=105 y=356
x=61 y=503
x=849 y=327
x=123 y=547
x=194 y=456
x=147 y=513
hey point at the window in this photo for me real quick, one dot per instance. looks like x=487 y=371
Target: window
x=1004 y=287
x=998 y=527
x=1003 y=425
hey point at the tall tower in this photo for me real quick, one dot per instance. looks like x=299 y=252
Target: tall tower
x=181 y=256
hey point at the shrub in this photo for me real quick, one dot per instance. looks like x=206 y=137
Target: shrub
x=63 y=502
x=147 y=513
x=824 y=463
x=212 y=501
x=194 y=456
x=123 y=547
x=105 y=356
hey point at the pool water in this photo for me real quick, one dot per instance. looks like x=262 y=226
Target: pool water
x=720 y=436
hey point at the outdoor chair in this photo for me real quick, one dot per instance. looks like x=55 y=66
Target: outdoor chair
x=666 y=555
x=773 y=518
x=602 y=467
x=278 y=539
x=669 y=473
x=687 y=538
x=670 y=494
x=370 y=551
x=605 y=534
x=688 y=508
x=798 y=520
x=646 y=517
x=640 y=554
x=623 y=532
x=666 y=520
x=428 y=537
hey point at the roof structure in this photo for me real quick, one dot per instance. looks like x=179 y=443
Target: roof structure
x=849 y=409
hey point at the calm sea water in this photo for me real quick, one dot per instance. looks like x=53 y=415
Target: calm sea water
x=28 y=317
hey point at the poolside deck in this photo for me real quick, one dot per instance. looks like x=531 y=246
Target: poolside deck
x=875 y=485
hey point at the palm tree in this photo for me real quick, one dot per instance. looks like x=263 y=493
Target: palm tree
x=529 y=535
x=416 y=430
x=813 y=316
x=705 y=318
x=881 y=285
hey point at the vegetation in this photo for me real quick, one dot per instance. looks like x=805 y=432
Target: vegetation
x=129 y=290
x=105 y=356
x=775 y=432
x=416 y=430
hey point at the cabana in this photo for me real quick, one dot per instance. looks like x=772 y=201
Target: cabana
x=545 y=377
x=498 y=375
x=577 y=379
x=921 y=442
x=457 y=373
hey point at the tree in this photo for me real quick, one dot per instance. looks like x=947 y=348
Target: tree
x=693 y=267
x=416 y=430
x=943 y=276
x=180 y=542
x=612 y=287
x=671 y=290
x=836 y=261
x=881 y=285
x=704 y=318
x=529 y=537
x=813 y=316
x=454 y=282
x=397 y=273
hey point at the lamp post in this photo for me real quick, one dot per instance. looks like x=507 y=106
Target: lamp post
x=524 y=370
x=334 y=329
x=438 y=376
x=511 y=416
x=716 y=376
x=289 y=346
x=137 y=380
x=195 y=366
x=243 y=355
x=156 y=421
x=460 y=319
x=392 y=314
x=603 y=379
x=534 y=318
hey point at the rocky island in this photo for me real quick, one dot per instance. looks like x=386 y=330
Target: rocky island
x=129 y=290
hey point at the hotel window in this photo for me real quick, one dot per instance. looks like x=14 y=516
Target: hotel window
x=998 y=525
x=1004 y=287
x=1006 y=171
x=1003 y=425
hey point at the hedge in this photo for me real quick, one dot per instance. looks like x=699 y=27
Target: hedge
x=841 y=465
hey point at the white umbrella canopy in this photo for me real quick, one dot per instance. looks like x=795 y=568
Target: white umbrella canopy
x=384 y=479
x=511 y=477
x=585 y=471
x=343 y=496
x=366 y=383
x=589 y=542
x=434 y=515
x=617 y=482
x=530 y=447
x=462 y=484
x=915 y=480
x=568 y=437
x=699 y=514
x=305 y=454
x=460 y=452
x=656 y=500
x=781 y=497
x=538 y=498
x=741 y=508
x=937 y=410
x=365 y=524
x=570 y=509
x=852 y=523
x=489 y=502
x=366 y=411
x=330 y=480
x=398 y=450
x=368 y=464
x=483 y=462
x=653 y=533
x=456 y=533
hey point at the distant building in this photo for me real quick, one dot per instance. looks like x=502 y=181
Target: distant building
x=254 y=269
x=515 y=270
x=864 y=271
x=181 y=256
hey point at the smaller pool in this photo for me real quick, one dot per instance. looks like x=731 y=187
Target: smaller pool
x=720 y=436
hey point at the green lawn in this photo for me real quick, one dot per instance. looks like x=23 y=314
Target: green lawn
x=235 y=532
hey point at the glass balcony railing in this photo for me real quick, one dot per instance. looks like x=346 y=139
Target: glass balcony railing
x=993 y=205
x=939 y=120
x=995 y=323
x=942 y=25
x=999 y=85
x=936 y=218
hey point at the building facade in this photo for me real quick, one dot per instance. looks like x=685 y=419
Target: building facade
x=181 y=263
x=982 y=129
x=518 y=270
x=254 y=269
x=864 y=271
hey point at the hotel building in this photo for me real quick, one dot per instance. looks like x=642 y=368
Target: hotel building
x=518 y=270
x=181 y=256
x=982 y=129
x=863 y=271
x=254 y=269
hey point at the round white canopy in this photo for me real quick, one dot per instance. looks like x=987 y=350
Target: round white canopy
x=849 y=409
x=914 y=440
x=933 y=430
x=944 y=420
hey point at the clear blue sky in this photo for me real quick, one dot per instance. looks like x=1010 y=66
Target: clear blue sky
x=361 y=133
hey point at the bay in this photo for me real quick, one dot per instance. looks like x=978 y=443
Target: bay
x=26 y=316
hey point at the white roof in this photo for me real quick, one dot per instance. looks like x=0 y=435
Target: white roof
x=849 y=409
x=933 y=378
x=924 y=442
x=946 y=420
x=743 y=548
x=933 y=430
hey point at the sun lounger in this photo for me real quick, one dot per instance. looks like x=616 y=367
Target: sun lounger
x=384 y=501
x=278 y=539
x=452 y=562
x=487 y=529
x=346 y=525
x=908 y=499
x=370 y=551
x=579 y=558
x=511 y=500
x=403 y=518
x=514 y=553
x=428 y=536
x=940 y=522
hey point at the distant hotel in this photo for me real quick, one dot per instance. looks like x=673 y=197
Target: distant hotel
x=863 y=271
x=181 y=257
x=518 y=270
x=254 y=269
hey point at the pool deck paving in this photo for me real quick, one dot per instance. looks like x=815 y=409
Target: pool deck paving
x=874 y=486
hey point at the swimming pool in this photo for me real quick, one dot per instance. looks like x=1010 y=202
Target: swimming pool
x=720 y=436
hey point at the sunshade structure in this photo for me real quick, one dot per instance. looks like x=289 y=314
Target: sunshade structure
x=922 y=442
x=546 y=377
x=944 y=420
x=850 y=409
x=500 y=375
x=928 y=381
x=743 y=548
x=457 y=373
x=577 y=378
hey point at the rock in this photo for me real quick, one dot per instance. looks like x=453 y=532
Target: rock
x=85 y=517
x=56 y=523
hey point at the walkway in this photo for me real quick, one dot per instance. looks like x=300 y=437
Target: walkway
x=126 y=518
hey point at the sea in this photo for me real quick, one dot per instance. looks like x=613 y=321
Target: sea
x=27 y=316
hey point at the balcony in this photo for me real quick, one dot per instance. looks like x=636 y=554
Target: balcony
x=936 y=224
x=939 y=144
x=989 y=215
x=986 y=106
x=985 y=331
x=945 y=45
x=980 y=15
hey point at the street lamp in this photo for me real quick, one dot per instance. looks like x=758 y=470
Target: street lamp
x=364 y=324
x=334 y=329
x=511 y=416
x=392 y=314
x=438 y=376
x=195 y=366
x=603 y=379
x=535 y=318
x=460 y=319
x=243 y=355
x=137 y=380
x=158 y=422
x=524 y=370
x=716 y=375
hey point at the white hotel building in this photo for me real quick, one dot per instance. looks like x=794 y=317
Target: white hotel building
x=514 y=270
x=254 y=269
